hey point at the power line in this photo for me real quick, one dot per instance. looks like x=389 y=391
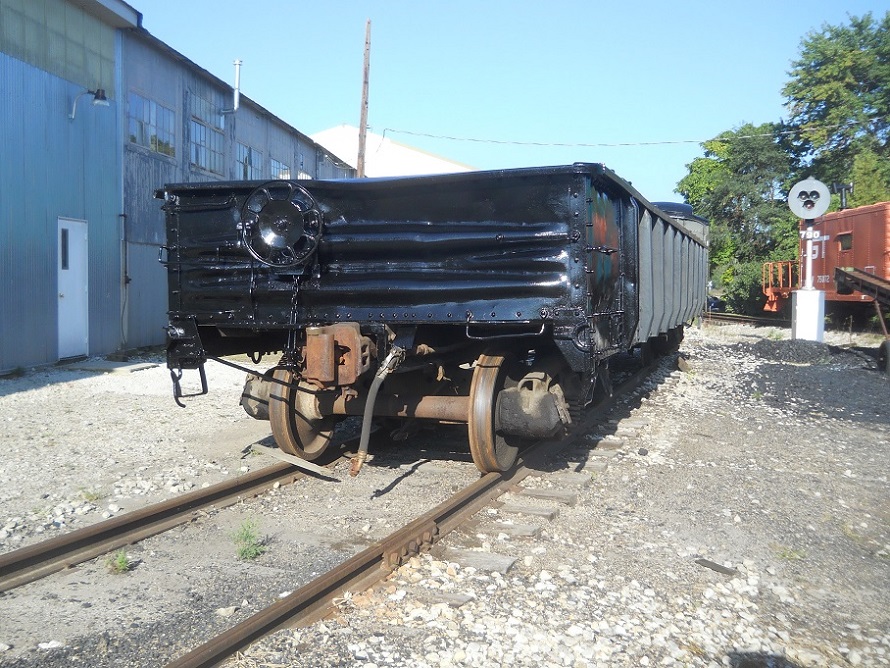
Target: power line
x=535 y=143
x=618 y=144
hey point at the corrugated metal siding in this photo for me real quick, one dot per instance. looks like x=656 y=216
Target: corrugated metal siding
x=672 y=277
x=60 y=38
x=146 y=306
x=53 y=166
x=143 y=174
x=154 y=77
x=20 y=270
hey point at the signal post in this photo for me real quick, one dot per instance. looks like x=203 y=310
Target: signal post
x=808 y=199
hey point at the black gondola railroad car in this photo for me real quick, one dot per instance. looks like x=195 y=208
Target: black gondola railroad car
x=492 y=298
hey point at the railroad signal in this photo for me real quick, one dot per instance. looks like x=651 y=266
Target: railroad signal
x=809 y=199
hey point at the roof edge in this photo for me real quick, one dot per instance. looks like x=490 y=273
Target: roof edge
x=115 y=13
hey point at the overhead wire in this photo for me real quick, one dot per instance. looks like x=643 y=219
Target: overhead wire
x=618 y=144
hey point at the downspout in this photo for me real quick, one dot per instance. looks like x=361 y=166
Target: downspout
x=122 y=217
x=236 y=94
x=125 y=282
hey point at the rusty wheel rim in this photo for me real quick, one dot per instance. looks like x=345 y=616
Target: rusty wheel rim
x=491 y=451
x=295 y=433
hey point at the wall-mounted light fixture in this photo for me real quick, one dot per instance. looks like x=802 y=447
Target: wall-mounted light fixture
x=99 y=100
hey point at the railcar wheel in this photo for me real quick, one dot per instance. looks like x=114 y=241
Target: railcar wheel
x=296 y=425
x=669 y=342
x=647 y=354
x=491 y=451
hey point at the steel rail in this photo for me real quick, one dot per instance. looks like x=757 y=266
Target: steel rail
x=314 y=600
x=715 y=317
x=36 y=561
x=358 y=573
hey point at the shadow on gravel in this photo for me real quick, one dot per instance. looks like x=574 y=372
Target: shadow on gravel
x=24 y=381
x=759 y=660
x=392 y=485
x=814 y=379
x=21 y=379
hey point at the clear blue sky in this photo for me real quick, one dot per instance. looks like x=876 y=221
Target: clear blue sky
x=547 y=72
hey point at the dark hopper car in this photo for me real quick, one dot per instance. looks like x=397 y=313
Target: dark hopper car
x=492 y=299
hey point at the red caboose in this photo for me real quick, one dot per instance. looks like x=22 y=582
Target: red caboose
x=853 y=238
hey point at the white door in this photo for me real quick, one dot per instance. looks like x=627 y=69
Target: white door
x=73 y=288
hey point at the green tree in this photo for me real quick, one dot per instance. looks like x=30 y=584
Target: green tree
x=838 y=97
x=739 y=185
x=871 y=179
x=744 y=294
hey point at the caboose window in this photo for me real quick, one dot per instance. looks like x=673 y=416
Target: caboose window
x=845 y=241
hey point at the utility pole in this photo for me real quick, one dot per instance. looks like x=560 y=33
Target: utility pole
x=363 y=122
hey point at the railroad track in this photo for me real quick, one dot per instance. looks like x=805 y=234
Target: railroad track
x=36 y=561
x=734 y=318
x=316 y=599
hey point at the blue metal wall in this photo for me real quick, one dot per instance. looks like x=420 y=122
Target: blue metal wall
x=154 y=76
x=52 y=166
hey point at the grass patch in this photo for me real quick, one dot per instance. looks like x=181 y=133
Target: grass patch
x=790 y=554
x=850 y=533
x=90 y=495
x=695 y=649
x=119 y=563
x=248 y=542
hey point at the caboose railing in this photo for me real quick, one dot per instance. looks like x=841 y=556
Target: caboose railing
x=778 y=280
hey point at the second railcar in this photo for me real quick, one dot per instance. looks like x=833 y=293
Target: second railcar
x=493 y=299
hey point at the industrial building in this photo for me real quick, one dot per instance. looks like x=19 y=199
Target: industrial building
x=383 y=156
x=96 y=114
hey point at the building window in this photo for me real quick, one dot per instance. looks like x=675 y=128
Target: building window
x=206 y=140
x=845 y=241
x=249 y=163
x=206 y=148
x=152 y=125
x=302 y=173
x=280 y=170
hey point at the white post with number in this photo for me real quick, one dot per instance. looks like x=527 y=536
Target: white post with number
x=808 y=199
x=808 y=235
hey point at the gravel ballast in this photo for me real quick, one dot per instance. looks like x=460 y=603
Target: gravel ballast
x=737 y=513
